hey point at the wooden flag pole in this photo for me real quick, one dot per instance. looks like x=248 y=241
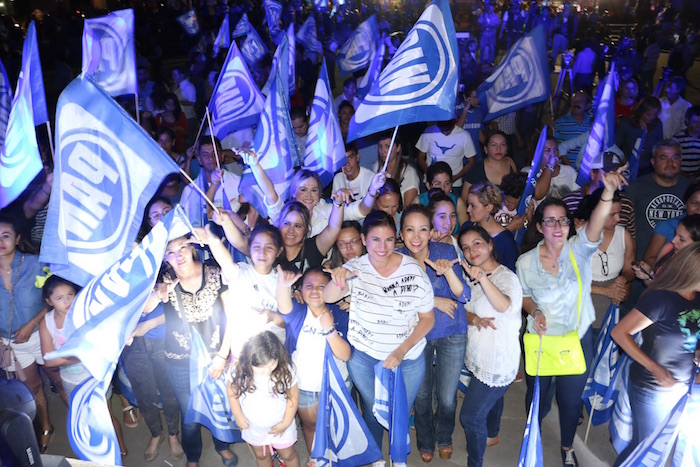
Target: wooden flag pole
x=199 y=190
x=48 y=130
x=211 y=133
x=199 y=132
x=391 y=148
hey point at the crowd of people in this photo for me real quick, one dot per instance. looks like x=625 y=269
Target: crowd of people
x=426 y=265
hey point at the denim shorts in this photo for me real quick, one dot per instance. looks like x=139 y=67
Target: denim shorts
x=308 y=399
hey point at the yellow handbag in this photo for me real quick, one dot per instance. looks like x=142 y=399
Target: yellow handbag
x=556 y=355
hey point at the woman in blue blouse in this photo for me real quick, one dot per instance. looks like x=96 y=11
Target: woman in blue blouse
x=21 y=310
x=447 y=340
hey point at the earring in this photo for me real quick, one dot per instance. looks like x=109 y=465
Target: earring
x=488 y=217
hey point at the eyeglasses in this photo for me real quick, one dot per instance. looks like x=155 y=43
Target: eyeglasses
x=552 y=221
x=351 y=243
x=156 y=216
x=604 y=263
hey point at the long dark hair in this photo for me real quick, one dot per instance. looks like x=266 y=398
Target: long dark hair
x=336 y=256
x=24 y=245
x=257 y=351
x=532 y=235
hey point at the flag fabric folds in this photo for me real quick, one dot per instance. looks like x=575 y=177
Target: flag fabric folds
x=242 y=27
x=103 y=316
x=634 y=157
x=223 y=37
x=189 y=22
x=209 y=405
x=420 y=82
x=375 y=68
x=532 y=176
x=274 y=145
x=621 y=419
x=307 y=36
x=253 y=48
x=235 y=102
x=531 y=449
x=358 y=50
x=31 y=60
x=320 y=5
x=325 y=149
x=109 y=56
x=286 y=47
x=106 y=170
x=599 y=138
x=391 y=410
x=20 y=160
x=599 y=394
x=5 y=102
x=342 y=437
x=273 y=17
x=522 y=78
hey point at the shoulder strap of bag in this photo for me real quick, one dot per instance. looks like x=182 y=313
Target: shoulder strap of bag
x=580 y=285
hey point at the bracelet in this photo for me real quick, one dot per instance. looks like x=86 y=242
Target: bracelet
x=535 y=311
x=221 y=357
x=333 y=334
x=338 y=205
x=327 y=332
x=606 y=200
x=550 y=167
x=35 y=323
x=373 y=195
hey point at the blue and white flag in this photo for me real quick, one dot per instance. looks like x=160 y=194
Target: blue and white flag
x=223 y=37
x=284 y=52
x=106 y=170
x=109 y=56
x=273 y=17
x=621 y=420
x=5 y=102
x=373 y=72
x=342 y=437
x=253 y=48
x=687 y=451
x=325 y=149
x=420 y=82
x=599 y=394
x=189 y=22
x=209 y=405
x=291 y=38
x=531 y=449
x=274 y=144
x=522 y=78
x=634 y=157
x=306 y=35
x=320 y=5
x=358 y=50
x=235 y=102
x=391 y=409
x=103 y=316
x=31 y=60
x=20 y=160
x=532 y=176
x=602 y=129
x=242 y=27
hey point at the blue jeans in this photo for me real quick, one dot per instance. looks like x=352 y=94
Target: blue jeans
x=361 y=368
x=649 y=407
x=444 y=377
x=179 y=374
x=476 y=413
x=568 y=392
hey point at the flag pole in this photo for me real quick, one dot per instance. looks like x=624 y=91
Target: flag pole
x=391 y=148
x=590 y=418
x=138 y=113
x=199 y=190
x=211 y=133
x=199 y=132
x=48 y=130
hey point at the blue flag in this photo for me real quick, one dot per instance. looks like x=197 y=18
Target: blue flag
x=253 y=48
x=342 y=437
x=223 y=37
x=5 y=102
x=358 y=50
x=531 y=449
x=235 y=102
x=420 y=82
x=325 y=148
x=522 y=78
x=106 y=170
x=273 y=17
x=189 y=22
x=599 y=137
x=320 y=5
x=621 y=420
x=391 y=410
x=634 y=157
x=109 y=57
x=20 y=160
x=599 y=394
x=307 y=36
x=30 y=60
x=209 y=405
x=532 y=176
x=281 y=53
x=289 y=46
x=242 y=27
x=274 y=144
x=372 y=74
x=103 y=316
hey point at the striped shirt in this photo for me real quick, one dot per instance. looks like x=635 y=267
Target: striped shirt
x=627 y=218
x=566 y=128
x=690 y=152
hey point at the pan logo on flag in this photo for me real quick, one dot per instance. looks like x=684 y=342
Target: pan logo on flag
x=94 y=182
x=520 y=76
x=359 y=50
x=111 y=44
x=236 y=100
x=417 y=73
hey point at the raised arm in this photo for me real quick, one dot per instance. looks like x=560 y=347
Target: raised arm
x=250 y=158
x=233 y=232
x=328 y=236
x=205 y=236
x=612 y=181
x=285 y=280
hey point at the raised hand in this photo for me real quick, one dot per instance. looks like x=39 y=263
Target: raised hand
x=340 y=276
x=475 y=272
x=249 y=157
x=378 y=181
x=286 y=278
x=441 y=266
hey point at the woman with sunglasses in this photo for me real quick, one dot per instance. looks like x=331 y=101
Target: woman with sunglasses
x=555 y=272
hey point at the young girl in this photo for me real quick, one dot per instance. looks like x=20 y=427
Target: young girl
x=309 y=326
x=59 y=294
x=264 y=396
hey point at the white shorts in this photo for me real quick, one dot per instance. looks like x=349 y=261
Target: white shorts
x=26 y=352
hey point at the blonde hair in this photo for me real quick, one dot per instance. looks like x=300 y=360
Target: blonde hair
x=488 y=193
x=681 y=273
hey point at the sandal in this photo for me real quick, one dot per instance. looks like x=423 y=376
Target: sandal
x=445 y=452
x=426 y=456
x=131 y=416
x=45 y=439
